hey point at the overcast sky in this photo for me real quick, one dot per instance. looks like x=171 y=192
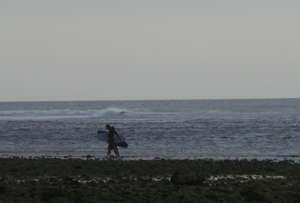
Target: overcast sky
x=158 y=49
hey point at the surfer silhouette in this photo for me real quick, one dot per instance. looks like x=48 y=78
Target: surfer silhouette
x=111 y=141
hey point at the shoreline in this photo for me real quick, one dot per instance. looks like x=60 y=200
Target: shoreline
x=278 y=158
x=164 y=164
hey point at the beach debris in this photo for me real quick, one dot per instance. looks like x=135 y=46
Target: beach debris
x=241 y=178
x=176 y=178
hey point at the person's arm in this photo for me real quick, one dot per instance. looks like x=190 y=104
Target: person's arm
x=117 y=134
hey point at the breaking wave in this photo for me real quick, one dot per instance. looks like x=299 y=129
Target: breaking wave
x=63 y=113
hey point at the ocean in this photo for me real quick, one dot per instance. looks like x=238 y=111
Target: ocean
x=174 y=129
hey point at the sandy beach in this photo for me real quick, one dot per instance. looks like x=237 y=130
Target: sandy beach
x=55 y=180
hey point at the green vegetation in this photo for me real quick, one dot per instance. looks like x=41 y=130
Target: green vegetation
x=54 y=180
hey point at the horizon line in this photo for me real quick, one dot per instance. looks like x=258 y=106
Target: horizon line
x=124 y=100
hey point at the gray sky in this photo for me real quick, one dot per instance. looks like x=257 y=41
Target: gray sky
x=158 y=49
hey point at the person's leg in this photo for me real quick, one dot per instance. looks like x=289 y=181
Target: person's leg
x=116 y=150
x=109 y=148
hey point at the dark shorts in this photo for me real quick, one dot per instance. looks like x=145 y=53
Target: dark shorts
x=112 y=145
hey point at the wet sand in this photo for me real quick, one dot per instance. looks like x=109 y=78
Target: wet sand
x=56 y=180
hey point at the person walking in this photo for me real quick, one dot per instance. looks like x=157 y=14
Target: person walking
x=111 y=141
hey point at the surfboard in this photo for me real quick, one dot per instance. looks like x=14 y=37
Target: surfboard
x=102 y=135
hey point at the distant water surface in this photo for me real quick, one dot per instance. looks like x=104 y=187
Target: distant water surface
x=262 y=129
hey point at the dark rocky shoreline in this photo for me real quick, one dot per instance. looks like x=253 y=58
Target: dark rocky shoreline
x=74 y=180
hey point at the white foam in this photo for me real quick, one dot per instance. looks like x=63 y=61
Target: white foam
x=61 y=113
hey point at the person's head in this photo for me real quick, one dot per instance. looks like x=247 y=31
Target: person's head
x=108 y=127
